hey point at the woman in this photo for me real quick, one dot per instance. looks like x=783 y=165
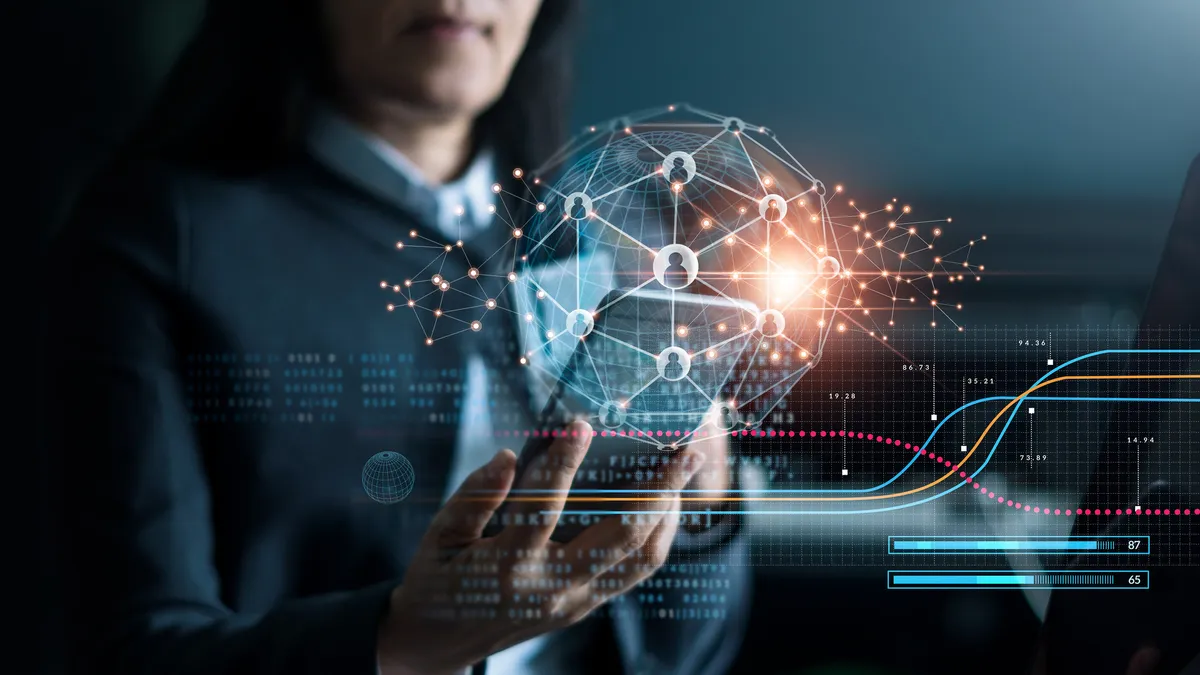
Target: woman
x=229 y=371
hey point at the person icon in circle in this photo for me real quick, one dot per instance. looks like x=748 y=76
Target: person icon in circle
x=726 y=419
x=673 y=369
x=679 y=173
x=772 y=210
x=580 y=327
x=675 y=276
x=769 y=328
x=578 y=210
x=612 y=417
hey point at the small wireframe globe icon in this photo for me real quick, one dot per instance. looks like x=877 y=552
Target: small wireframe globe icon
x=388 y=477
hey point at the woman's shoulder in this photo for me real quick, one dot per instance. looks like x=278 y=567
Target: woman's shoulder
x=153 y=211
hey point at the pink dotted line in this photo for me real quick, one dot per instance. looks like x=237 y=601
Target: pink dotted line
x=983 y=491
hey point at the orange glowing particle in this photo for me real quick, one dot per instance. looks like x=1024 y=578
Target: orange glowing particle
x=391 y=307
x=517 y=173
x=428 y=341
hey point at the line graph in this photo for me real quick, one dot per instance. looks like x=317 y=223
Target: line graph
x=785 y=495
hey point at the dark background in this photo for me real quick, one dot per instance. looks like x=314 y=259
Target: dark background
x=1061 y=129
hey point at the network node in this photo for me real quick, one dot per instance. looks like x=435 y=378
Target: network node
x=674 y=363
x=772 y=208
x=726 y=416
x=829 y=267
x=580 y=323
x=679 y=167
x=734 y=124
x=770 y=323
x=676 y=266
x=577 y=206
x=612 y=414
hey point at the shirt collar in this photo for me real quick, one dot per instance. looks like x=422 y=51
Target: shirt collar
x=376 y=166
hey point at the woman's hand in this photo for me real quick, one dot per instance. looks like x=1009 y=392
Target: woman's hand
x=465 y=597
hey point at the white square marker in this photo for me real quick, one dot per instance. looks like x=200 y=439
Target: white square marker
x=1137 y=508
x=845 y=472
x=933 y=417
x=963 y=448
x=1049 y=362
x=1031 y=411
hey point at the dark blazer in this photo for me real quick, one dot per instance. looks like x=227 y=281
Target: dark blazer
x=207 y=531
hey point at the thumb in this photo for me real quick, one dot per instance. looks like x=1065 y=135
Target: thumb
x=1144 y=661
x=462 y=520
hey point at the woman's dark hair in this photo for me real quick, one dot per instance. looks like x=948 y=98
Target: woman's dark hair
x=239 y=96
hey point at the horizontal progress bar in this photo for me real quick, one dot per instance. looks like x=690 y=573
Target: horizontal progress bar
x=1134 y=545
x=984 y=579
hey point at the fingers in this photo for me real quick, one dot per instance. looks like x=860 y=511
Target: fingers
x=1144 y=661
x=462 y=519
x=626 y=574
x=548 y=480
x=618 y=537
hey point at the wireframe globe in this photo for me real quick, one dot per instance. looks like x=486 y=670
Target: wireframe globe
x=694 y=205
x=388 y=477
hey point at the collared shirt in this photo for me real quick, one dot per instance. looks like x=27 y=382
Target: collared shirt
x=461 y=211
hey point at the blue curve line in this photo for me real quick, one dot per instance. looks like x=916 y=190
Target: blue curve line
x=991 y=453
